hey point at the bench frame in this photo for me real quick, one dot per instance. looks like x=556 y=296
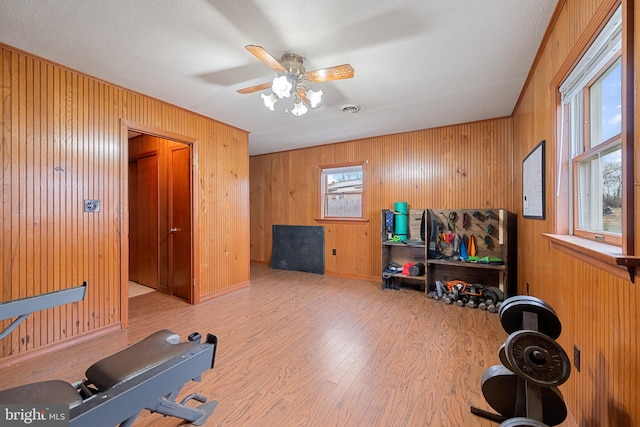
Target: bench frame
x=154 y=389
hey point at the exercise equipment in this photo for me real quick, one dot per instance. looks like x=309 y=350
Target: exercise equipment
x=512 y=311
x=417 y=269
x=503 y=391
x=147 y=375
x=522 y=422
x=537 y=358
x=523 y=389
x=388 y=224
x=24 y=307
x=401 y=219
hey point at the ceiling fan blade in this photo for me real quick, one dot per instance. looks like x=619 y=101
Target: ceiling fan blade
x=338 y=72
x=256 y=88
x=264 y=56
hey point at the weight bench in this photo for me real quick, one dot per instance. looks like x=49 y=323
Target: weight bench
x=146 y=375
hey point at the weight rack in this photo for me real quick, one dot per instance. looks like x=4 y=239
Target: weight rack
x=523 y=389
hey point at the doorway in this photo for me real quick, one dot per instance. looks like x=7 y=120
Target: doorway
x=160 y=215
x=159 y=245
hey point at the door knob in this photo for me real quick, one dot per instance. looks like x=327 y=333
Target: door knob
x=174 y=230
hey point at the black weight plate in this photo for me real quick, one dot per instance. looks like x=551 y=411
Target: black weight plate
x=537 y=358
x=519 y=298
x=502 y=354
x=512 y=311
x=522 y=422
x=501 y=387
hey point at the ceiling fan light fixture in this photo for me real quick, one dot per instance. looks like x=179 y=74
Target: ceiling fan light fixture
x=299 y=108
x=314 y=97
x=282 y=87
x=269 y=100
x=291 y=79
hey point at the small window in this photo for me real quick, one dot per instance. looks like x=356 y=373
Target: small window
x=591 y=98
x=342 y=194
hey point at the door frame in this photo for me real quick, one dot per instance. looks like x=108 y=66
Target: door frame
x=125 y=127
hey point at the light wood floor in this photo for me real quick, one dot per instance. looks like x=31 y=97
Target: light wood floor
x=299 y=349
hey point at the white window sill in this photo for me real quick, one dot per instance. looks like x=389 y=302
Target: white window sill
x=606 y=257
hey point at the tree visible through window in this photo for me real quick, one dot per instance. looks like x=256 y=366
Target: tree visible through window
x=342 y=192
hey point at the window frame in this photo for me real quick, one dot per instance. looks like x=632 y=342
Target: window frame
x=599 y=236
x=618 y=260
x=588 y=150
x=321 y=194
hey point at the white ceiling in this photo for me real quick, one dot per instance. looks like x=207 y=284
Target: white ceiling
x=418 y=63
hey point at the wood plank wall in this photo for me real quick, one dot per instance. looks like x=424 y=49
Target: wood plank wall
x=598 y=310
x=61 y=143
x=429 y=168
x=451 y=167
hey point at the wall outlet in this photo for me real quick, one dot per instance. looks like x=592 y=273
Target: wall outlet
x=91 y=205
x=576 y=357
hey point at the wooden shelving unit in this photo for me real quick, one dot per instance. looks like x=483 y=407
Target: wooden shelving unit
x=494 y=234
x=402 y=253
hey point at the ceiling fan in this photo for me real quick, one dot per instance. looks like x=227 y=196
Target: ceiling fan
x=292 y=78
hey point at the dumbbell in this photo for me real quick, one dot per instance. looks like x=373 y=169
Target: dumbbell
x=491 y=306
x=448 y=298
x=492 y=297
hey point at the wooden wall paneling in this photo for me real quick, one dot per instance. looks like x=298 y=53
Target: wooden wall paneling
x=258 y=194
x=455 y=166
x=33 y=188
x=5 y=194
x=598 y=310
x=581 y=12
x=62 y=211
x=13 y=178
x=61 y=145
x=206 y=209
x=92 y=243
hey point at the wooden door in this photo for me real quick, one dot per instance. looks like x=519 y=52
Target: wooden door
x=133 y=222
x=180 y=246
x=143 y=220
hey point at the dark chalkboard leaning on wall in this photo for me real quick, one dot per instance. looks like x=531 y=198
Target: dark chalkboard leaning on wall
x=298 y=247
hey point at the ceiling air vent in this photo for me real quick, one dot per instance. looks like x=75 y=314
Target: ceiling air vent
x=350 y=108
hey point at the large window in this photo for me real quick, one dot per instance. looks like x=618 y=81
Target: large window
x=341 y=189
x=591 y=98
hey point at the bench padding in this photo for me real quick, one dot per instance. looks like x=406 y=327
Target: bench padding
x=45 y=393
x=140 y=357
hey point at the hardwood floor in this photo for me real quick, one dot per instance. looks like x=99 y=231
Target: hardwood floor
x=300 y=349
